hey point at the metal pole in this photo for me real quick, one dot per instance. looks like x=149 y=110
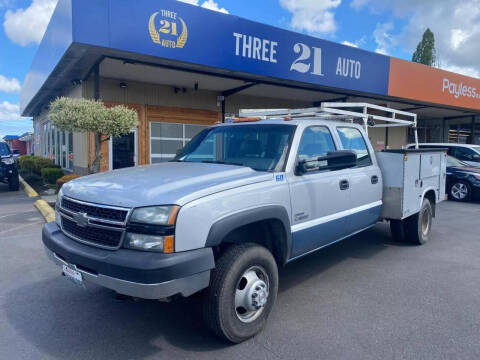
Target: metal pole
x=416 y=132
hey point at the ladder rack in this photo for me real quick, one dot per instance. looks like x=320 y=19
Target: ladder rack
x=343 y=112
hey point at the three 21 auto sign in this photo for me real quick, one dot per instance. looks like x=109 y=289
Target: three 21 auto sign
x=181 y=32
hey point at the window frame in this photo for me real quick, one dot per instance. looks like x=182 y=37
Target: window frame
x=364 y=141
x=297 y=159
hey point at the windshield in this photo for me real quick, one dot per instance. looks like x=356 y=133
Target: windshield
x=4 y=150
x=451 y=161
x=260 y=147
x=476 y=149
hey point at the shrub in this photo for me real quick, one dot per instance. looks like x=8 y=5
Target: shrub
x=34 y=164
x=30 y=177
x=41 y=163
x=26 y=162
x=51 y=175
x=64 y=179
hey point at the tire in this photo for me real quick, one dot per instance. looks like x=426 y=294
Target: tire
x=14 y=183
x=235 y=275
x=460 y=191
x=397 y=228
x=418 y=226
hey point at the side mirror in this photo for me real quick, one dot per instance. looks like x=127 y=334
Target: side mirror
x=335 y=160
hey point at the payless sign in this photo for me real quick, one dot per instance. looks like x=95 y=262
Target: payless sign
x=419 y=82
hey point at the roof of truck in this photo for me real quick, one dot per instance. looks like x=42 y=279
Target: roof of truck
x=293 y=122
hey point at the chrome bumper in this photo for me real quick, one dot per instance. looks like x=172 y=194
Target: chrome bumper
x=184 y=286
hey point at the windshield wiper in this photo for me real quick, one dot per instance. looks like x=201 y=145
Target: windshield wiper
x=221 y=162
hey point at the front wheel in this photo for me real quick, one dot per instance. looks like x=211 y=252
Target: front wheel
x=242 y=292
x=14 y=183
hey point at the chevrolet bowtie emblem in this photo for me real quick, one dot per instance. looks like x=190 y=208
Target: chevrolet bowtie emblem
x=81 y=219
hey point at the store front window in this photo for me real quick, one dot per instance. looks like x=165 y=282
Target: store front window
x=57 y=145
x=166 y=139
x=462 y=133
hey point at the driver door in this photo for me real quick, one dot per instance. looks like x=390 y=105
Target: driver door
x=318 y=198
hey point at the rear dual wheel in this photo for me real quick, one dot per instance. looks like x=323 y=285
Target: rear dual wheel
x=242 y=292
x=416 y=228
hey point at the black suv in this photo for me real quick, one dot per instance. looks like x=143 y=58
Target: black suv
x=8 y=168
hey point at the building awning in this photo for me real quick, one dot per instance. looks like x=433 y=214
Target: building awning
x=179 y=36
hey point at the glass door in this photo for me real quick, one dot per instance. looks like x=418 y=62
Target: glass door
x=123 y=151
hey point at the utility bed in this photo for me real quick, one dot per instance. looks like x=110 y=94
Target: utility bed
x=407 y=175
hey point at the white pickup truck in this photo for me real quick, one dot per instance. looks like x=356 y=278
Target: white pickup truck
x=240 y=200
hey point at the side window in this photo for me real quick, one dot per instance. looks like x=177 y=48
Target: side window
x=352 y=139
x=316 y=141
x=464 y=154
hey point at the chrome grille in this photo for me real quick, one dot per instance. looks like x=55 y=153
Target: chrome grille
x=106 y=213
x=93 y=224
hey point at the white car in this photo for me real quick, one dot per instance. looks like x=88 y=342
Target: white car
x=467 y=153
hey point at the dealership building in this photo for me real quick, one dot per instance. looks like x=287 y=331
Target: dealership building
x=183 y=68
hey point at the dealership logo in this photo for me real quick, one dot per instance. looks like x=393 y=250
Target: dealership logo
x=460 y=90
x=167 y=29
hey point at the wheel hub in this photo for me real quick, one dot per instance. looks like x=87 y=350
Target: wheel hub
x=459 y=191
x=251 y=294
x=257 y=295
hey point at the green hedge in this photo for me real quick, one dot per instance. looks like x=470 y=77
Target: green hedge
x=30 y=177
x=34 y=164
x=51 y=175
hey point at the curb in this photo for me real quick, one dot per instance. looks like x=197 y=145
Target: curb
x=27 y=188
x=46 y=210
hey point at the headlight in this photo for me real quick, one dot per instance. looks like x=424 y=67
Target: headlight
x=150 y=242
x=8 y=161
x=155 y=215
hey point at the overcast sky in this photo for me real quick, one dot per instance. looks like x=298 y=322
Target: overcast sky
x=392 y=27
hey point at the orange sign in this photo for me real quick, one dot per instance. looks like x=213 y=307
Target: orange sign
x=423 y=83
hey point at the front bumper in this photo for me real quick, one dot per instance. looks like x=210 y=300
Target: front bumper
x=145 y=275
x=7 y=171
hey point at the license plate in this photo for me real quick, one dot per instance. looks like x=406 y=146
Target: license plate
x=73 y=275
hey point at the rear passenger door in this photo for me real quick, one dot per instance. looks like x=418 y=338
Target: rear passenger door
x=365 y=180
x=317 y=197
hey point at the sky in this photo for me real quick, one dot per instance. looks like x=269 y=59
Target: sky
x=390 y=27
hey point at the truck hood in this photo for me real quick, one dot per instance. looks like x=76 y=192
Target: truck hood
x=162 y=184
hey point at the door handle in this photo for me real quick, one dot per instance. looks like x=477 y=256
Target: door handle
x=374 y=179
x=344 y=185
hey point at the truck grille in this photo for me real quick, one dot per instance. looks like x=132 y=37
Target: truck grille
x=94 y=211
x=103 y=237
x=96 y=225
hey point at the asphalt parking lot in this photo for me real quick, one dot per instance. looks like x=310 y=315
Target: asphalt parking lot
x=364 y=298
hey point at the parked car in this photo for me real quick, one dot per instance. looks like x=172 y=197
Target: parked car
x=16 y=154
x=463 y=181
x=236 y=203
x=467 y=153
x=8 y=167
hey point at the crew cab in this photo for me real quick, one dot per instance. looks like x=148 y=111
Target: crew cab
x=8 y=168
x=238 y=202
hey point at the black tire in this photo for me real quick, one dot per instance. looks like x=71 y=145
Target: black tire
x=418 y=226
x=397 y=228
x=14 y=183
x=219 y=309
x=457 y=195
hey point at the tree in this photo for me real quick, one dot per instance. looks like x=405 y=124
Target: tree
x=426 y=53
x=82 y=115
